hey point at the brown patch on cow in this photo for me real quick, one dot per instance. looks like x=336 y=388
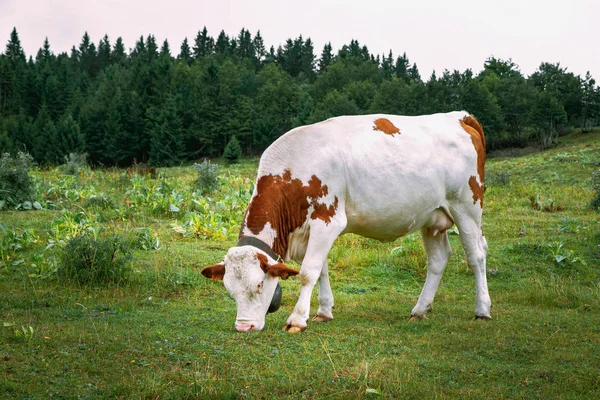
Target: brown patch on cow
x=284 y=203
x=385 y=125
x=477 y=190
x=304 y=279
x=470 y=124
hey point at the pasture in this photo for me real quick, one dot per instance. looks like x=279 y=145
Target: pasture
x=167 y=332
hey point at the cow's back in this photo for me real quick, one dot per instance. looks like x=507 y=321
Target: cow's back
x=388 y=172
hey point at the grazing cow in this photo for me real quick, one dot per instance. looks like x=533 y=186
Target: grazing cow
x=379 y=176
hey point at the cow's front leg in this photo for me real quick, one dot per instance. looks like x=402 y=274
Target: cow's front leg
x=325 y=296
x=314 y=267
x=309 y=274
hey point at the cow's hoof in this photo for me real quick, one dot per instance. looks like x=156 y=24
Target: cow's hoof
x=322 y=318
x=293 y=329
x=483 y=317
x=414 y=318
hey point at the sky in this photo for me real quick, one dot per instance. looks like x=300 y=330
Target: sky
x=435 y=34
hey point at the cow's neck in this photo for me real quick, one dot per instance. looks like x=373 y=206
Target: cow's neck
x=259 y=244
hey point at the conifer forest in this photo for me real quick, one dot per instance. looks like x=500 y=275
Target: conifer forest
x=163 y=105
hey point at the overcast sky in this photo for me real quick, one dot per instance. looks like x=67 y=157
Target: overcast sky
x=435 y=34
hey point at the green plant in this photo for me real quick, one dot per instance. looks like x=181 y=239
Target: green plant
x=561 y=256
x=595 y=203
x=86 y=260
x=208 y=177
x=12 y=242
x=572 y=225
x=16 y=185
x=100 y=201
x=74 y=164
x=145 y=240
x=501 y=178
x=233 y=151
x=25 y=333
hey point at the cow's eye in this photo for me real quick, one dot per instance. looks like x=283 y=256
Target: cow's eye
x=260 y=285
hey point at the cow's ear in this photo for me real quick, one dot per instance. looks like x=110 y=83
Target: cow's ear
x=214 y=272
x=276 y=270
x=281 y=271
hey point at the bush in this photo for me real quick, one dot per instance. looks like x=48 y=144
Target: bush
x=90 y=261
x=208 y=179
x=595 y=203
x=16 y=186
x=75 y=163
x=501 y=178
x=233 y=151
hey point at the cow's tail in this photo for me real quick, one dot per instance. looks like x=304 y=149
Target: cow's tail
x=471 y=121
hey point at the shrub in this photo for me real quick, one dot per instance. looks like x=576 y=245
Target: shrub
x=233 y=151
x=16 y=186
x=498 y=179
x=595 y=203
x=101 y=201
x=74 y=164
x=208 y=179
x=90 y=261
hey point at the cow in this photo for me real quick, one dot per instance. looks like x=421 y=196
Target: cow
x=378 y=176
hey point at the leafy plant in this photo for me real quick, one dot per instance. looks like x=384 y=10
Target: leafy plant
x=11 y=241
x=100 y=201
x=74 y=164
x=16 y=186
x=561 y=256
x=145 y=240
x=72 y=224
x=538 y=204
x=571 y=225
x=208 y=179
x=25 y=333
x=89 y=261
x=595 y=203
x=501 y=178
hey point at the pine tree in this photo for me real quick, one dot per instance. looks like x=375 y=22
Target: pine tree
x=167 y=135
x=118 y=54
x=222 y=44
x=326 y=58
x=259 y=48
x=185 y=54
x=104 y=56
x=233 y=151
x=203 y=45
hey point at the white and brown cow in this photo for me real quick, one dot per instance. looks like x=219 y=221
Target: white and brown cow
x=379 y=176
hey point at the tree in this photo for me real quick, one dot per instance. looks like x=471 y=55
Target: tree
x=167 y=145
x=203 y=44
x=104 y=56
x=547 y=116
x=185 y=54
x=591 y=103
x=118 y=54
x=233 y=151
x=326 y=58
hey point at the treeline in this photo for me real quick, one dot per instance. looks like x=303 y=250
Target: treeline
x=152 y=104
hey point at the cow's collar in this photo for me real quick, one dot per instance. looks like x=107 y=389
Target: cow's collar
x=259 y=244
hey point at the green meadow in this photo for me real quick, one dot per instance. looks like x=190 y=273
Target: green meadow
x=166 y=332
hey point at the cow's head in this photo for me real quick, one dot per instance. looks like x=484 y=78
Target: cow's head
x=251 y=278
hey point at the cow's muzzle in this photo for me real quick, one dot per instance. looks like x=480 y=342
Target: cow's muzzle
x=276 y=301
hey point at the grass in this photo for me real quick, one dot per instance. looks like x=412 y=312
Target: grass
x=168 y=332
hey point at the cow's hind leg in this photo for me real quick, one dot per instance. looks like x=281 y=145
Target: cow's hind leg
x=314 y=268
x=325 y=296
x=468 y=220
x=438 y=251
